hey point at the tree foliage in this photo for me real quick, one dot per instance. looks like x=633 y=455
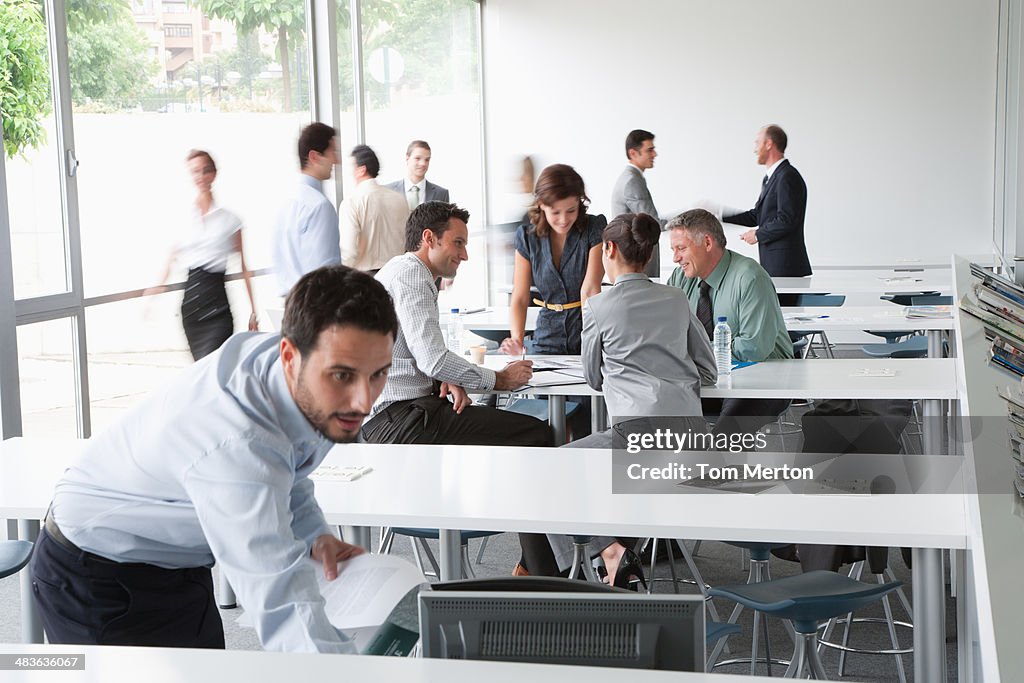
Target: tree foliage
x=108 y=58
x=24 y=75
x=286 y=18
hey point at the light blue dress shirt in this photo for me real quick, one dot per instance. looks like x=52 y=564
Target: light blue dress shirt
x=305 y=235
x=214 y=467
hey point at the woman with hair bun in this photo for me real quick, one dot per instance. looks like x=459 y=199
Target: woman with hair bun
x=644 y=348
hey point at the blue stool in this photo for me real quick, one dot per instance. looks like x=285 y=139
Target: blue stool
x=806 y=600
x=13 y=556
x=421 y=535
x=760 y=553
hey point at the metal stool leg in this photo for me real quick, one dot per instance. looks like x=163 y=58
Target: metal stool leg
x=480 y=551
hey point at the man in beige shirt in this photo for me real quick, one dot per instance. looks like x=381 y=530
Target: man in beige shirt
x=372 y=220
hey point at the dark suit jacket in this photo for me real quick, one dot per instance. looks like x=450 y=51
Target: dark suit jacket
x=779 y=217
x=431 y=192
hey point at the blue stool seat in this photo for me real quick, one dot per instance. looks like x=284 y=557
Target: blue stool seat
x=758 y=551
x=806 y=599
x=716 y=630
x=914 y=347
x=13 y=556
x=433 y=533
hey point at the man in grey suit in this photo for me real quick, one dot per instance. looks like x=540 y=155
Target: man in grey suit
x=630 y=194
x=415 y=187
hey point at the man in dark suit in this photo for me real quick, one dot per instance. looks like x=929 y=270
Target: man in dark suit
x=415 y=187
x=779 y=212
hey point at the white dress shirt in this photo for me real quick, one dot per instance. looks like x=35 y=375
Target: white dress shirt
x=420 y=356
x=422 y=185
x=305 y=234
x=771 y=169
x=372 y=226
x=214 y=468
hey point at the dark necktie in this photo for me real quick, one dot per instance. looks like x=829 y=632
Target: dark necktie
x=764 y=184
x=704 y=309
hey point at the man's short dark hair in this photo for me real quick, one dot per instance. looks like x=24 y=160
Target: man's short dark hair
x=414 y=144
x=364 y=156
x=433 y=216
x=336 y=295
x=316 y=137
x=636 y=139
x=777 y=136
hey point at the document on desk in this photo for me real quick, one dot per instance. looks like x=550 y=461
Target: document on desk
x=554 y=378
x=362 y=598
x=555 y=363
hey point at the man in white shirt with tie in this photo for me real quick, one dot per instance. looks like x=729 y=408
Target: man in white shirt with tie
x=415 y=187
x=372 y=220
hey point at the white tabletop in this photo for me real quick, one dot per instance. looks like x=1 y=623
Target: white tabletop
x=112 y=664
x=915 y=378
x=883 y=317
x=547 y=490
x=866 y=282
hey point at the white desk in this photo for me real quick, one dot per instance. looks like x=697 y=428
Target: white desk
x=112 y=664
x=570 y=491
x=866 y=282
x=931 y=380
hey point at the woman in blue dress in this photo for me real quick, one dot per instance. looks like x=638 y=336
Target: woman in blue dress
x=558 y=253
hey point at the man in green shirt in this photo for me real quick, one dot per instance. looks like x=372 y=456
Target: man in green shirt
x=720 y=282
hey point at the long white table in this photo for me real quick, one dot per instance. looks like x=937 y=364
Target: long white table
x=931 y=380
x=866 y=282
x=113 y=664
x=570 y=491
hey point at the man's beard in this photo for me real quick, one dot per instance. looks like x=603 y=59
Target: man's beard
x=321 y=420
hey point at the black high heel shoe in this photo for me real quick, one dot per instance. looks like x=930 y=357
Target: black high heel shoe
x=629 y=566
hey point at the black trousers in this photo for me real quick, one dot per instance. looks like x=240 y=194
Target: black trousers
x=431 y=419
x=742 y=415
x=85 y=599
x=205 y=313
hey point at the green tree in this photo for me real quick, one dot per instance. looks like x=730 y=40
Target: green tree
x=108 y=60
x=283 y=17
x=24 y=75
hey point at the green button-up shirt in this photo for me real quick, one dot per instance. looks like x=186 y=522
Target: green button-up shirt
x=743 y=292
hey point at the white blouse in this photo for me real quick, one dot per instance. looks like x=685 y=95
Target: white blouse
x=210 y=239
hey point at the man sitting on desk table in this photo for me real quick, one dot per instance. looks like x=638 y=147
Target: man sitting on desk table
x=215 y=468
x=414 y=407
x=719 y=282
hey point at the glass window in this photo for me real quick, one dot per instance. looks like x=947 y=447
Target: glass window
x=421 y=66
x=135 y=118
x=34 y=162
x=47 y=379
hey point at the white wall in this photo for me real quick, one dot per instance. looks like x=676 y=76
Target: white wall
x=889 y=107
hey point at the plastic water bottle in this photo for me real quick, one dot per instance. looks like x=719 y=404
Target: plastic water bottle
x=455 y=331
x=723 y=347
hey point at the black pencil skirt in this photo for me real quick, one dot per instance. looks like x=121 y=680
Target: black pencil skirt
x=205 y=313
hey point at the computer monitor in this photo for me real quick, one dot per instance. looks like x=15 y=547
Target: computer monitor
x=594 y=629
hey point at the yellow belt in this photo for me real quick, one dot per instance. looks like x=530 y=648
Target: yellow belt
x=558 y=307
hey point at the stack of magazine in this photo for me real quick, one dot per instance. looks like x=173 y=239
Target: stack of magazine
x=1015 y=414
x=999 y=304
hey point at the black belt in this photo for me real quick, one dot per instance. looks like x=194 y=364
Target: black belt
x=57 y=535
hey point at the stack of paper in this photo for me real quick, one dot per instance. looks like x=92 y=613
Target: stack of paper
x=999 y=303
x=928 y=312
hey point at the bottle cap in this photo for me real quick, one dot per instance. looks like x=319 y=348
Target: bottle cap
x=722 y=318
x=455 y=310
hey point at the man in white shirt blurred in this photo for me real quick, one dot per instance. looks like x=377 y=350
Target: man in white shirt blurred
x=372 y=220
